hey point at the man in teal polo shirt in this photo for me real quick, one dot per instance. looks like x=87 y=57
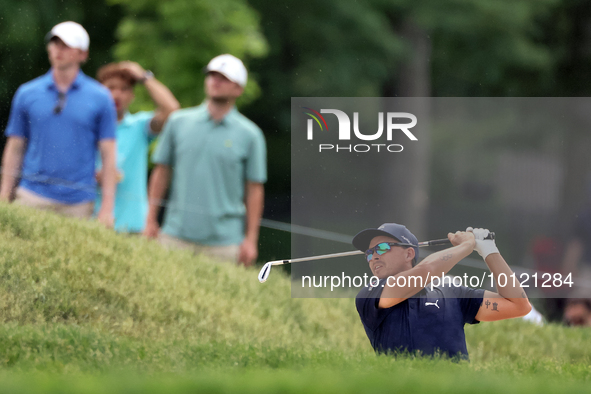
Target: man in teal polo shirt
x=134 y=132
x=215 y=161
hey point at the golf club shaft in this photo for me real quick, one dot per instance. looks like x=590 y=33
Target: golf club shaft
x=435 y=242
x=321 y=257
x=266 y=270
x=445 y=241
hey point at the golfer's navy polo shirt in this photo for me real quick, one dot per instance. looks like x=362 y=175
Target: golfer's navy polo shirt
x=59 y=162
x=431 y=322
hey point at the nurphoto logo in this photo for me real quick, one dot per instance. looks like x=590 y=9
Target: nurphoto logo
x=344 y=133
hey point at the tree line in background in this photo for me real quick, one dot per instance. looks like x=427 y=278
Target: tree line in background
x=323 y=48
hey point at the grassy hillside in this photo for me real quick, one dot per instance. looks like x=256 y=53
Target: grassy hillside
x=57 y=270
x=79 y=300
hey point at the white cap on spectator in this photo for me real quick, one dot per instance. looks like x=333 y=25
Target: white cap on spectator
x=229 y=66
x=71 y=33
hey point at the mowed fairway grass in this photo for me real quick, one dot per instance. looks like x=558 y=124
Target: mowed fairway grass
x=85 y=310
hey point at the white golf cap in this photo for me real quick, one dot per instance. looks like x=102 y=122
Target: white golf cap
x=229 y=66
x=71 y=33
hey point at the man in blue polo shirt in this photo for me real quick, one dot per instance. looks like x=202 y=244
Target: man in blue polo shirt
x=403 y=314
x=56 y=123
x=215 y=160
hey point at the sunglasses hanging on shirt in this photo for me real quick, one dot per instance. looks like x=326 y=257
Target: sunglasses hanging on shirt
x=61 y=103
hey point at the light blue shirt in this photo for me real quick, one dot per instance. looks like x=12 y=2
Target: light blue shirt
x=59 y=162
x=131 y=199
x=211 y=163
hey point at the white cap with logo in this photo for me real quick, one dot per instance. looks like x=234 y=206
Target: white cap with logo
x=229 y=66
x=72 y=34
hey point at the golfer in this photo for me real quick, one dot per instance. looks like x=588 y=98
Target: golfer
x=416 y=318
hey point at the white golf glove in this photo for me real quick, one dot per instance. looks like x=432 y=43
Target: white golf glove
x=484 y=247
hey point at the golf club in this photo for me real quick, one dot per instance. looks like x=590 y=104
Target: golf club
x=266 y=270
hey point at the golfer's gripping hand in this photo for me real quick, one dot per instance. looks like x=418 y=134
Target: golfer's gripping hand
x=484 y=247
x=460 y=237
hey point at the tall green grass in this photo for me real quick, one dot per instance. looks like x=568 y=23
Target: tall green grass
x=58 y=270
x=80 y=301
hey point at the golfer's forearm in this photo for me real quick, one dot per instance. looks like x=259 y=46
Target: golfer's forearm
x=436 y=264
x=441 y=262
x=498 y=266
x=11 y=166
x=158 y=185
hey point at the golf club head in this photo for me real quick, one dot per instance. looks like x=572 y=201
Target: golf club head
x=264 y=273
